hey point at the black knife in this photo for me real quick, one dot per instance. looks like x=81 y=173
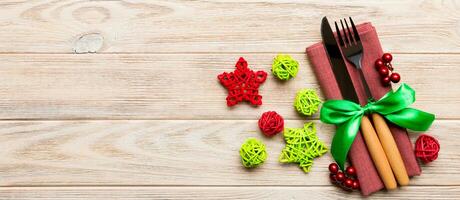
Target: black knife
x=337 y=63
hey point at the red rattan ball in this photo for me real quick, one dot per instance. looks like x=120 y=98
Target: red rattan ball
x=271 y=123
x=426 y=148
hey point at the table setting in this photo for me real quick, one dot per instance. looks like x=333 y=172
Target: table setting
x=259 y=99
x=371 y=117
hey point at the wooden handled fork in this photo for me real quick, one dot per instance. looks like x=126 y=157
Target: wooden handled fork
x=383 y=149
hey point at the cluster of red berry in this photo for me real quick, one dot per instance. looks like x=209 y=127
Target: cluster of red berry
x=346 y=180
x=384 y=67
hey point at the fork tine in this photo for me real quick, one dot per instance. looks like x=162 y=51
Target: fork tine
x=345 y=34
x=339 y=35
x=349 y=31
x=355 y=30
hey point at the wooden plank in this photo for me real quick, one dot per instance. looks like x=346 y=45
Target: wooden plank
x=184 y=86
x=217 y=26
x=203 y=193
x=173 y=152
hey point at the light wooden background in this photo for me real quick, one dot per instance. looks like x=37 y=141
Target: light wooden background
x=142 y=116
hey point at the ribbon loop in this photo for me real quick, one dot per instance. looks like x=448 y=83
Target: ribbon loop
x=394 y=106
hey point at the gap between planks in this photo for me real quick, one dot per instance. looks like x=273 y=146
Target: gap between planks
x=171 y=119
x=330 y=192
x=191 y=186
x=204 y=53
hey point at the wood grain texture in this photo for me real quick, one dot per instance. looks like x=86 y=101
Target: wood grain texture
x=144 y=117
x=224 y=193
x=51 y=26
x=173 y=152
x=183 y=86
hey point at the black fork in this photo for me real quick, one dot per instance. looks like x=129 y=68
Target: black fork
x=352 y=48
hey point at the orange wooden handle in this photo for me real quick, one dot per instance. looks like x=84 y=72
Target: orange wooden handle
x=391 y=150
x=377 y=154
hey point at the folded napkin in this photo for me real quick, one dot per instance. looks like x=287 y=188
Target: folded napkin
x=359 y=156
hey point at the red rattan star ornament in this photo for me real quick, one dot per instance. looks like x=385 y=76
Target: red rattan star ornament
x=243 y=84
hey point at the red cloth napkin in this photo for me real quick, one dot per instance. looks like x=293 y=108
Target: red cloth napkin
x=359 y=156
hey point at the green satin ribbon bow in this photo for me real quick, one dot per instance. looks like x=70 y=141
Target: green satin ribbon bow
x=347 y=116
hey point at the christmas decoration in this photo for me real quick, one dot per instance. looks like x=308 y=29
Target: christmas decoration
x=384 y=67
x=243 y=84
x=307 y=102
x=271 y=123
x=394 y=106
x=285 y=67
x=426 y=148
x=347 y=180
x=252 y=153
x=302 y=146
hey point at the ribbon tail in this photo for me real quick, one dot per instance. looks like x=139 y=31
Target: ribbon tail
x=343 y=139
x=412 y=119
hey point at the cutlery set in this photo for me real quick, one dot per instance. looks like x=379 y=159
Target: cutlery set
x=375 y=131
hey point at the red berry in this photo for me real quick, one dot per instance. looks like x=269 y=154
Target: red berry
x=384 y=71
x=351 y=171
x=348 y=183
x=333 y=168
x=355 y=185
x=379 y=63
x=387 y=57
x=386 y=81
x=333 y=178
x=395 y=77
x=340 y=176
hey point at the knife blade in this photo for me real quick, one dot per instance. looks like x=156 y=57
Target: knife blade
x=338 y=64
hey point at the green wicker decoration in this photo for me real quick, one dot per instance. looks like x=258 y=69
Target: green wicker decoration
x=307 y=102
x=252 y=153
x=284 y=67
x=302 y=146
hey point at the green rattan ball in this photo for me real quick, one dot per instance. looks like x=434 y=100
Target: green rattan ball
x=252 y=153
x=307 y=102
x=285 y=67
